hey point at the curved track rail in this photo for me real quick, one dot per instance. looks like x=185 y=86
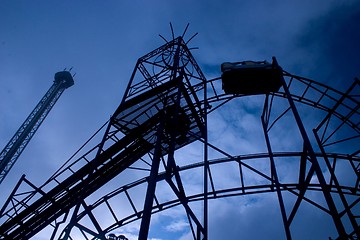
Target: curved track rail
x=167 y=87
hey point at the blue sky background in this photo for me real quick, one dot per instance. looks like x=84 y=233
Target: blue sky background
x=102 y=40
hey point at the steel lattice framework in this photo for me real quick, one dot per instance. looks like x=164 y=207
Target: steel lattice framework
x=22 y=137
x=159 y=142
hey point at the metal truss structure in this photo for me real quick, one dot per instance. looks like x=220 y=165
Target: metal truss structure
x=161 y=152
x=22 y=137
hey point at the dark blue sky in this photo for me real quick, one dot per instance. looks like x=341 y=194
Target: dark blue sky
x=102 y=40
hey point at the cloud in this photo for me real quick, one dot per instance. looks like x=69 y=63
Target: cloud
x=103 y=41
x=177 y=226
x=331 y=42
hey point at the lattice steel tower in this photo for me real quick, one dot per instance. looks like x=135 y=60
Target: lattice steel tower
x=18 y=142
x=160 y=153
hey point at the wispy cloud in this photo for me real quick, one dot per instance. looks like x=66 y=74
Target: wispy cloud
x=103 y=41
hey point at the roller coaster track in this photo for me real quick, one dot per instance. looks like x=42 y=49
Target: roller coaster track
x=75 y=182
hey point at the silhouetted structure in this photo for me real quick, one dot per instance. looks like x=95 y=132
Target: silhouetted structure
x=18 y=142
x=165 y=108
x=251 y=77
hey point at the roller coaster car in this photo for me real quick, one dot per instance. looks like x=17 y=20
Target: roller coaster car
x=251 y=77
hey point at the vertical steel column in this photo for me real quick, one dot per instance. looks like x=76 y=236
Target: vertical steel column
x=274 y=175
x=206 y=164
x=315 y=164
x=150 y=193
x=339 y=190
x=330 y=168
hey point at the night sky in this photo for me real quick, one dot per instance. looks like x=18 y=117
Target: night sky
x=102 y=40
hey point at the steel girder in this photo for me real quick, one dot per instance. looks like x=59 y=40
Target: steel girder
x=168 y=86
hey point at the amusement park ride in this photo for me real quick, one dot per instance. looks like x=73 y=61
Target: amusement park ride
x=22 y=137
x=164 y=115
